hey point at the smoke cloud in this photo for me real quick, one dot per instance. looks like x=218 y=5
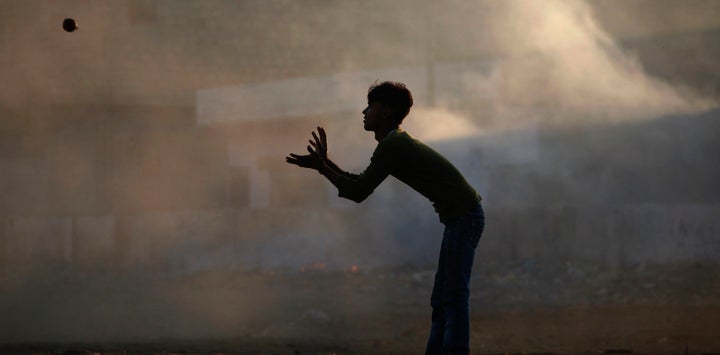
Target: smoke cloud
x=559 y=57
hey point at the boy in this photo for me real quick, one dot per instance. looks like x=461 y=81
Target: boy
x=433 y=176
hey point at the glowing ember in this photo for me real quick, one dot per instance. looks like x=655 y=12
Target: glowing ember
x=354 y=268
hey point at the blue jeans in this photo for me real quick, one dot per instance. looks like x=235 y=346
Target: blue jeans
x=450 y=329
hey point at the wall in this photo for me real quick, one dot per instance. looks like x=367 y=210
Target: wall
x=185 y=241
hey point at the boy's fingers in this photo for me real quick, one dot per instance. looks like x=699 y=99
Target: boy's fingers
x=315 y=154
x=317 y=140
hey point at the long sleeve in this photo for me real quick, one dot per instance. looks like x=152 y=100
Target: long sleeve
x=358 y=187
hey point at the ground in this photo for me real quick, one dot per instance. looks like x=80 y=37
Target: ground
x=516 y=308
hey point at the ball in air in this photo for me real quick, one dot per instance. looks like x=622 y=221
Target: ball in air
x=69 y=25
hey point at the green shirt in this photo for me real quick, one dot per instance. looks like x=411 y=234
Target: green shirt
x=418 y=166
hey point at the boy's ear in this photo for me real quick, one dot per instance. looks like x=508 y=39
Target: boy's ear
x=386 y=111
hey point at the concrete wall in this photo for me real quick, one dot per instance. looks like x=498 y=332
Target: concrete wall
x=616 y=236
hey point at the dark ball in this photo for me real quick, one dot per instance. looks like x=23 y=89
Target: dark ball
x=69 y=25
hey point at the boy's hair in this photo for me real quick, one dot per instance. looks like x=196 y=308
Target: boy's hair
x=393 y=94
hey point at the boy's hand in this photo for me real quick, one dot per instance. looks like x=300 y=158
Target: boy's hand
x=318 y=153
x=320 y=144
x=310 y=161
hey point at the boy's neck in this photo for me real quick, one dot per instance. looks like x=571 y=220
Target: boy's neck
x=381 y=133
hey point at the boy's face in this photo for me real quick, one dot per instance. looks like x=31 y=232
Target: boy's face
x=376 y=115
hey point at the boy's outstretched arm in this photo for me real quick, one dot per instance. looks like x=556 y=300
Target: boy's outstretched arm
x=351 y=186
x=318 y=156
x=318 y=160
x=329 y=170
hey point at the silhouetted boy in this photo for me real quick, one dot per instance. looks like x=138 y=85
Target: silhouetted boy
x=429 y=173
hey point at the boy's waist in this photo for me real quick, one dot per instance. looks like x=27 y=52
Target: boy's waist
x=451 y=211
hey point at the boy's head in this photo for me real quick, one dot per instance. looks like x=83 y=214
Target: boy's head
x=393 y=95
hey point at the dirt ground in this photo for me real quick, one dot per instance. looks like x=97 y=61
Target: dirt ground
x=526 y=308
